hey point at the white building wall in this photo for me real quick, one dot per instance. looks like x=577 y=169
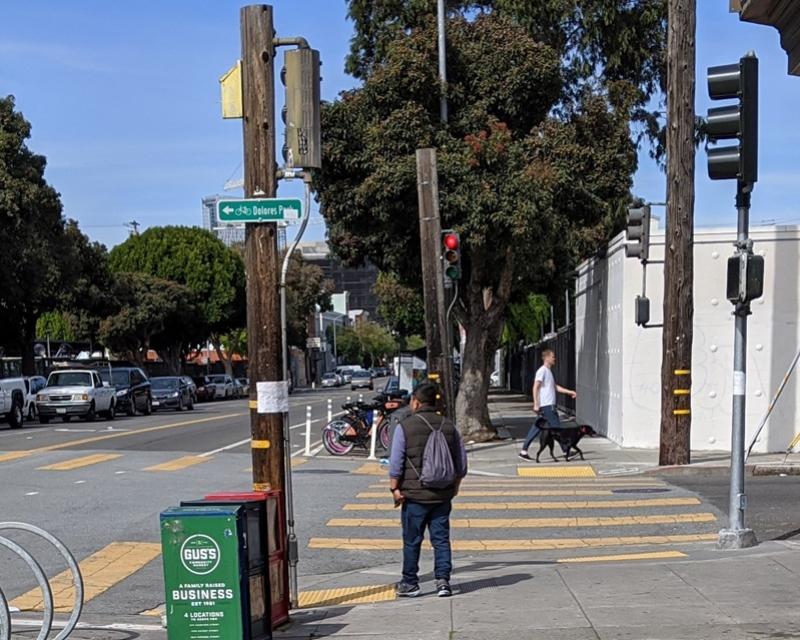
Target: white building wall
x=619 y=364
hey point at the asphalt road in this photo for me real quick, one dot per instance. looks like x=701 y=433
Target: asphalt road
x=773 y=502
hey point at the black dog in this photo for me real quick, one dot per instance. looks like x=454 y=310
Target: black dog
x=567 y=437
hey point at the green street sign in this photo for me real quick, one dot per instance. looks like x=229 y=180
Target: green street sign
x=259 y=210
x=202 y=574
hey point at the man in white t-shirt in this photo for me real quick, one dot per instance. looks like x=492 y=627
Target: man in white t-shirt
x=544 y=399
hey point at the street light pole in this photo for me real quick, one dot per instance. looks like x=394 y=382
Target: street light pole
x=440 y=22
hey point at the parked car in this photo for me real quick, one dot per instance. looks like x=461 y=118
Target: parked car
x=346 y=374
x=238 y=391
x=33 y=385
x=132 y=389
x=224 y=385
x=192 y=387
x=361 y=379
x=75 y=393
x=205 y=389
x=12 y=401
x=171 y=392
x=330 y=380
x=244 y=385
x=392 y=385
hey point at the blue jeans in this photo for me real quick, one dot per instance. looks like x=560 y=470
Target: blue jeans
x=550 y=415
x=415 y=517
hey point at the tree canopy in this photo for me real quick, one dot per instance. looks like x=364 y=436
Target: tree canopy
x=534 y=164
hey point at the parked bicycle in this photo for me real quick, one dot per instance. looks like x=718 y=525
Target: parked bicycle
x=354 y=429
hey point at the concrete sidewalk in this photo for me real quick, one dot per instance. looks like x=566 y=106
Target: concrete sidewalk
x=746 y=594
x=512 y=415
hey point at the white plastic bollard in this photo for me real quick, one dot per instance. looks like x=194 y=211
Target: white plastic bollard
x=361 y=397
x=373 y=441
x=348 y=398
x=330 y=409
x=308 y=431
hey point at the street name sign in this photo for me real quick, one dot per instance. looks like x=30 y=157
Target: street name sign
x=259 y=210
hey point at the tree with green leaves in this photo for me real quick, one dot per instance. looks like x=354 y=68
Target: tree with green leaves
x=400 y=306
x=154 y=313
x=32 y=237
x=198 y=260
x=367 y=343
x=306 y=289
x=535 y=162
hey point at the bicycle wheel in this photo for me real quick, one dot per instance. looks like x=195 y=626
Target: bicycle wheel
x=383 y=435
x=332 y=438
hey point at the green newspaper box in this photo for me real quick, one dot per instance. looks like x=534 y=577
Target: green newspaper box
x=204 y=580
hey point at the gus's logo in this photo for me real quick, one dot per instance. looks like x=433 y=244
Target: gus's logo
x=200 y=554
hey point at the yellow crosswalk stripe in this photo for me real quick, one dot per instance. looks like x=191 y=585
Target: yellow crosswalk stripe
x=537 y=523
x=101 y=571
x=14 y=455
x=296 y=462
x=523 y=483
x=179 y=463
x=83 y=461
x=372 y=469
x=651 y=555
x=346 y=595
x=509 y=493
x=577 y=471
x=536 y=544
x=556 y=504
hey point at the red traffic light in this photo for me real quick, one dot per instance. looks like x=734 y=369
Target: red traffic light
x=451 y=241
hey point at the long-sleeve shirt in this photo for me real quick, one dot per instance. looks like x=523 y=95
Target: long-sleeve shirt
x=397 y=457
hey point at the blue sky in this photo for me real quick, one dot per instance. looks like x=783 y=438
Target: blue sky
x=124 y=102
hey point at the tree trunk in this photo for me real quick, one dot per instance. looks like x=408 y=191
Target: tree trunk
x=472 y=409
x=28 y=338
x=224 y=358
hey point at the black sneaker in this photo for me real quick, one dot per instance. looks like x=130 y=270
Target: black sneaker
x=443 y=589
x=405 y=590
x=524 y=456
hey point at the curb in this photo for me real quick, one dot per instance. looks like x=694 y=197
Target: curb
x=750 y=470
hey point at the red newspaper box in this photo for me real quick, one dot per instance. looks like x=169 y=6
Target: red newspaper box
x=275 y=512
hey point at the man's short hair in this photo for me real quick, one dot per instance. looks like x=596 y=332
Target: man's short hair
x=546 y=353
x=426 y=392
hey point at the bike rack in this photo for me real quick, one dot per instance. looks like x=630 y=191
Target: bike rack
x=44 y=584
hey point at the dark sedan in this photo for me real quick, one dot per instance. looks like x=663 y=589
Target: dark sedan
x=206 y=390
x=171 y=392
x=131 y=386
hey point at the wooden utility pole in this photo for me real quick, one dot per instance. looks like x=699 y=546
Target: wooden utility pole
x=267 y=395
x=676 y=364
x=430 y=235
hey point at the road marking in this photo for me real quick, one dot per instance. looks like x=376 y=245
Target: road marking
x=538 y=523
x=510 y=506
x=32 y=493
x=316 y=447
x=372 y=469
x=297 y=462
x=346 y=596
x=521 y=483
x=225 y=448
x=110 y=436
x=578 y=471
x=651 y=555
x=64 y=430
x=101 y=571
x=532 y=493
x=178 y=463
x=83 y=461
x=14 y=455
x=536 y=544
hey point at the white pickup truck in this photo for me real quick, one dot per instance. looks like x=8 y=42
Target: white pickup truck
x=12 y=401
x=75 y=393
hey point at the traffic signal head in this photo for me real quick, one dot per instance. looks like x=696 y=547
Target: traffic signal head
x=638 y=233
x=451 y=254
x=734 y=122
x=301 y=114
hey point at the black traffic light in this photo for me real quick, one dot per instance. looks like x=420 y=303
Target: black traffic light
x=745 y=277
x=641 y=314
x=451 y=254
x=739 y=121
x=638 y=233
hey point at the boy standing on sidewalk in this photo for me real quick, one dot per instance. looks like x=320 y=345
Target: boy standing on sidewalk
x=544 y=400
x=424 y=507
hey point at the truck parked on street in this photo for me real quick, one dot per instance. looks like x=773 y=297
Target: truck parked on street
x=12 y=401
x=73 y=393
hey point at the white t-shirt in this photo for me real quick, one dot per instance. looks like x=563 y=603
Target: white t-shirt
x=547 y=392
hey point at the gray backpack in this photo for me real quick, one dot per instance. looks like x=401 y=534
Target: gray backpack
x=438 y=470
